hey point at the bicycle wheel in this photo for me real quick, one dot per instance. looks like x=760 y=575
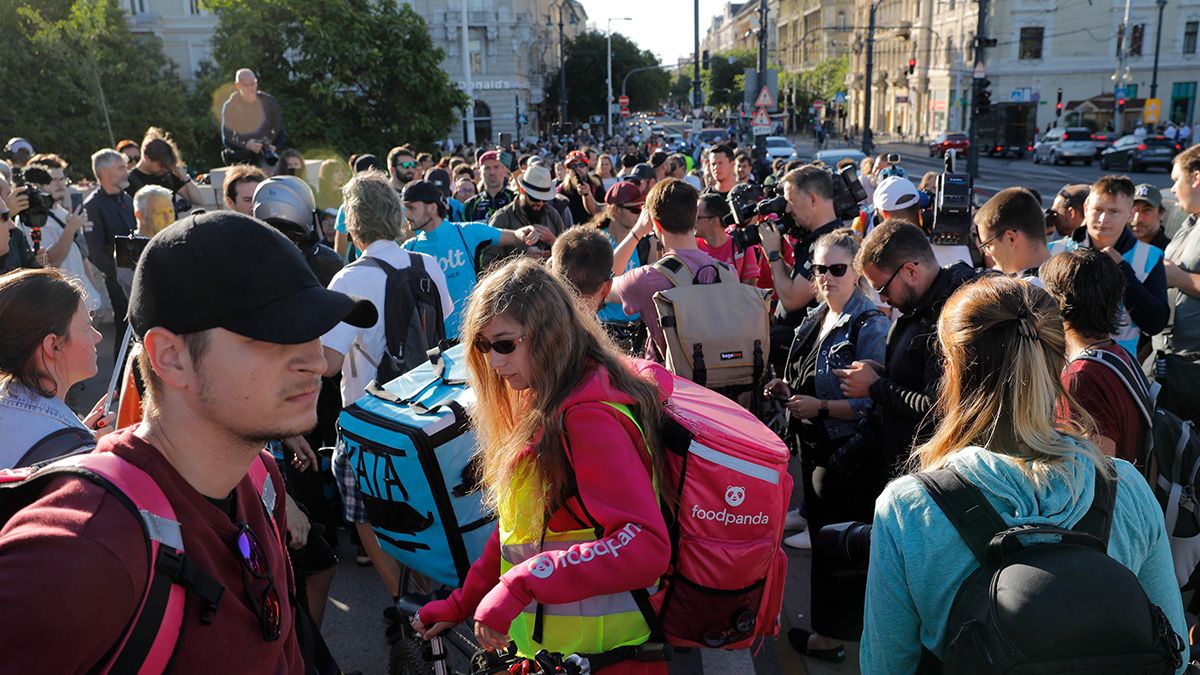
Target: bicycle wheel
x=409 y=654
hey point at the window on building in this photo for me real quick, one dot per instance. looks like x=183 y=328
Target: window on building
x=194 y=7
x=841 y=24
x=1137 y=35
x=137 y=7
x=1190 y=30
x=1031 y=43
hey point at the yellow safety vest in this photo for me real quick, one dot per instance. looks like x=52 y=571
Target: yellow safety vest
x=590 y=626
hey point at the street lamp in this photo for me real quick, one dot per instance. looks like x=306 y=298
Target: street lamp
x=562 y=56
x=1157 y=43
x=609 y=100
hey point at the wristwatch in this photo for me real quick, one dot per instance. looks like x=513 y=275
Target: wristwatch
x=823 y=412
x=773 y=256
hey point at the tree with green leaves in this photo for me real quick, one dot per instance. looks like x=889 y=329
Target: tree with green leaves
x=724 y=79
x=76 y=79
x=350 y=76
x=586 y=65
x=681 y=90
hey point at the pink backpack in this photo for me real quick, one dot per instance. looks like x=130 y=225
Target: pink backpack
x=149 y=642
x=724 y=586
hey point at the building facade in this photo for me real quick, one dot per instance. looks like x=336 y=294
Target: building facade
x=1043 y=47
x=184 y=27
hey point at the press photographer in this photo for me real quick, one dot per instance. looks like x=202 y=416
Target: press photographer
x=251 y=124
x=56 y=234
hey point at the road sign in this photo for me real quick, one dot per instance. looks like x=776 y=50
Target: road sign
x=1120 y=92
x=623 y=100
x=818 y=104
x=765 y=100
x=979 y=73
x=1152 y=111
x=839 y=98
x=624 y=112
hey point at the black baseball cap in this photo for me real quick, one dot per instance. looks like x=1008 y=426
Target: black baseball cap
x=422 y=191
x=366 y=163
x=222 y=269
x=641 y=171
x=441 y=179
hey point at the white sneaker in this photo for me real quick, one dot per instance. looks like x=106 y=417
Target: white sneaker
x=799 y=540
x=795 y=521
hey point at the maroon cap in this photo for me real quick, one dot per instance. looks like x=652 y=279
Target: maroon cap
x=623 y=193
x=489 y=155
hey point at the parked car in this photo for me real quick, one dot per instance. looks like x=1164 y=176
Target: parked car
x=1066 y=145
x=779 y=147
x=1104 y=141
x=944 y=142
x=832 y=157
x=1137 y=154
x=710 y=136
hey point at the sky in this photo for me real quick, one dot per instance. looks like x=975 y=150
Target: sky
x=665 y=27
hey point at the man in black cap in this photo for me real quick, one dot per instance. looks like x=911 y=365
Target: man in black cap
x=643 y=176
x=229 y=317
x=1149 y=216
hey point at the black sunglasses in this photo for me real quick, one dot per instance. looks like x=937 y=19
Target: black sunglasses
x=882 y=289
x=837 y=269
x=255 y=566
x=633 y=209
x=481 y=345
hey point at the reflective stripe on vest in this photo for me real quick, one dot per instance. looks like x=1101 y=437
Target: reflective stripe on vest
x=592 y=625
x=1142 y=258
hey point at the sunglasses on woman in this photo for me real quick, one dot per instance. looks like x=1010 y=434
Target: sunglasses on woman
x=482 y=345
x=256 y=571
x=837 y=270
x=636 y=210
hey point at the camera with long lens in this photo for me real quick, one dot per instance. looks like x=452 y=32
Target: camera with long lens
x=846 y=548
x=40 y=201
x=748 y=201
x=848 y=193
x=951 y=207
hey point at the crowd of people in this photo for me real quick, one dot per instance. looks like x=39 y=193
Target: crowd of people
x=261 y=306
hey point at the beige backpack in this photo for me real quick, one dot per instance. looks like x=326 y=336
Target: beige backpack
x=717 y=335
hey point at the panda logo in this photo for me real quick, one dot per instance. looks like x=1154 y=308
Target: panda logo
x=735 y=495
x=541 y=566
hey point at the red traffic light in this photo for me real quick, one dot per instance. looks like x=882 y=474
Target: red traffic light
x=1058 y=106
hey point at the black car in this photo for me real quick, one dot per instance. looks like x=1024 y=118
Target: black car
x=1137 y=154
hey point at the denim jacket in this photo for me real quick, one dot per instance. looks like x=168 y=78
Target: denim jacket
x=27 y=417
x=835 y=351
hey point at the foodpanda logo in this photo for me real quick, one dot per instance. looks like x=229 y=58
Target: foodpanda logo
x=541 y=566
x=735 y=495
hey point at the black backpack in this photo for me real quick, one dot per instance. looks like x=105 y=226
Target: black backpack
x=1057 y=607
x=1170 y=460
x=412 y=316
x=56 y=444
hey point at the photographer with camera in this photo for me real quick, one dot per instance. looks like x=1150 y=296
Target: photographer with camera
x=713 y=231
x=15 y=251
x=582 y=190
x=56 y=241
x=251 y=124
x=161 y=165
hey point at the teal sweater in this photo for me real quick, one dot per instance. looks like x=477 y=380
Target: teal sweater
x=918 y=560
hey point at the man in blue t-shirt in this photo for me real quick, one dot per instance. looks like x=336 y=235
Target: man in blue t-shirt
x=455 y=245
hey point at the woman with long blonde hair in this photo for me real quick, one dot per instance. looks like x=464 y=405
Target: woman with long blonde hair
x=1009 y=428
x=567 y=434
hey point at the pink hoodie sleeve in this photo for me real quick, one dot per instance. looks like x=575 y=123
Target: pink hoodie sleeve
x=481 y=578
x=615 y=487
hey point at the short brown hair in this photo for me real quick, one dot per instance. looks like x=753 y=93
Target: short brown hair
x=1013 y=208
x=584 y=257
x=672 y=203
x=1089 y=288
x=241 y=173
x=396 y=152
x=49 y=160
x=812 y=180
x=1116 y=186
x=1189 y=160
x=893 y=243
x=196 y=345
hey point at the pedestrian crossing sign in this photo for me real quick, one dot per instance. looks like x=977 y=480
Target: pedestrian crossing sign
x=765 y=100
x=761 y=118
x=1152 y=111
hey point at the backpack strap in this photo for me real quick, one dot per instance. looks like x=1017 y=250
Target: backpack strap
x=965 y=507
x=470 y=254
x=1135 y=382
x=58 y=444
x=1098 y=519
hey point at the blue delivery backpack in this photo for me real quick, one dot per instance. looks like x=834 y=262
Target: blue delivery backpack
x=413 y=451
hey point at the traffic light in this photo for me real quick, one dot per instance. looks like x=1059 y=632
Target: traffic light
x=912 y=66
x=1121 y=104
x=704 y=59
x=1058 y=107
x=983 y=97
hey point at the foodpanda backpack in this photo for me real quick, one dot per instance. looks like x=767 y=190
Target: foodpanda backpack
x=724 y=586
x=412 y=316
x=149 y=641
x=1171 y=463
x=1037 y=606
x=718 y=335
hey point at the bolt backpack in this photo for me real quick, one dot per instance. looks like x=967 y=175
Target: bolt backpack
x=1170 y=461
x=412 y=316
x=411 y=448
x=1036 y=605
x=717 y=335
x=728 y=472
x=152 y=634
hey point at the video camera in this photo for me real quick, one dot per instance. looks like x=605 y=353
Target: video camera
x=952 y=207
x=748 y=201
x=848 y=193
x=846 y=547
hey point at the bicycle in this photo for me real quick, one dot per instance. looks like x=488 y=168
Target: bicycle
x=450 y=653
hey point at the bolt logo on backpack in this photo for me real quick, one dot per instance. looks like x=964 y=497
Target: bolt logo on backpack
x=153 y=633
x=716 y=335
x=1170 y=460
x=1055 y=607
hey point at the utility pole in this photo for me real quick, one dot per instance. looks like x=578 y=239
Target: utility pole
x=562 y=70
x=868 y=138
x=696 y=93
x=1157 y=44
x=609 y=101
x=981 y=45
x=760 y=142
x=1123 y=42
x=469 y=132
